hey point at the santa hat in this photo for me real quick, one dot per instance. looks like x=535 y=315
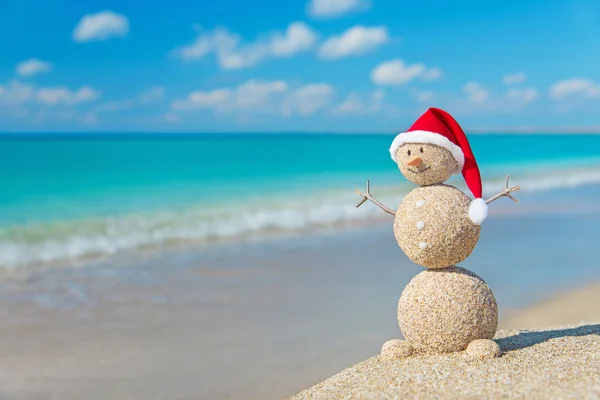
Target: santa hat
x=438 y=127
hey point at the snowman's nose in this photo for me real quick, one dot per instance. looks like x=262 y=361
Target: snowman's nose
x=414 y=161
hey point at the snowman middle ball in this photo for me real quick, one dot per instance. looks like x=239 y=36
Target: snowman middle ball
x=432 y=226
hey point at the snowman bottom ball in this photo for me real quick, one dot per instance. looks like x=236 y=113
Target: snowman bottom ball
x=443 y=310
x=432 y=226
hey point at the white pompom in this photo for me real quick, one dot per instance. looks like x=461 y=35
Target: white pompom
x=478 y=211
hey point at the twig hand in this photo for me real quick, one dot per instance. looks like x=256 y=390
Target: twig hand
x=368 y=196
x=505 y=192
x=365 y=196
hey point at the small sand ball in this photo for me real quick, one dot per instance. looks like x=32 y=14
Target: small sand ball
x=432 y=226
x=396 y=349
x=443 y=310
x=483 y=348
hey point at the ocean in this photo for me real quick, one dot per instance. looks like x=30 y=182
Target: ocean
x=68 y=198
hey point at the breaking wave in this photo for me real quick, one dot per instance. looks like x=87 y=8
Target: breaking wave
x=72 y=241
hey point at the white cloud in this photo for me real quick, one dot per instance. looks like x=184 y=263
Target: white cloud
x=351 y=105
x=336 y=8
x=356 y=41
x=260 y=96
x=431 y=74
x=476 y=98
x=574 y=87
x=297 y=38
x=143 y=99
x=62 y=95
x=101 y=26
x=152 y=94
x=524 y=96
x=32 y=67
x=308 y=99
x=247 y=96
x=256 y=94
x=199 y=99
x=39 y=104
x=396 y=72
x=244 y=57
x=16 y=93
x=476 y=93
x=206 y=43
x=354 y=104
x=231 y=53
x=514 y=79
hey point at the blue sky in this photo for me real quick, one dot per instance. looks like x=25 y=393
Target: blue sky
x=299 y=65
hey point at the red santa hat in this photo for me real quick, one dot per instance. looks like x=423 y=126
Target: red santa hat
x=438 y=127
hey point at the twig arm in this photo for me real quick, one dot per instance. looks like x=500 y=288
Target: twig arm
x=505 y=192
x=368 y=196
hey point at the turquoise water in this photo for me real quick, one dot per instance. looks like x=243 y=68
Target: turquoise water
x=64 y=197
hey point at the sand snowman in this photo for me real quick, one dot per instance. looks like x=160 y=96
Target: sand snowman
x=445 y=308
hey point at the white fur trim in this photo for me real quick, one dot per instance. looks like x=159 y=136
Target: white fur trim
x=431 y=138
x=478 y=211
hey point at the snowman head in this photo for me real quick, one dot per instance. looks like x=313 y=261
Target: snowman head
x=425 y=163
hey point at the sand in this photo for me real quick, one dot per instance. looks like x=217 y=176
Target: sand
x=561 y=362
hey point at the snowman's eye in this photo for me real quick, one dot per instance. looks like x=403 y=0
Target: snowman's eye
x=421 y=149
x=408 y=152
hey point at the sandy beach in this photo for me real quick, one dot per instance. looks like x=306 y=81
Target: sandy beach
x=557 y=362
x=540 y=360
